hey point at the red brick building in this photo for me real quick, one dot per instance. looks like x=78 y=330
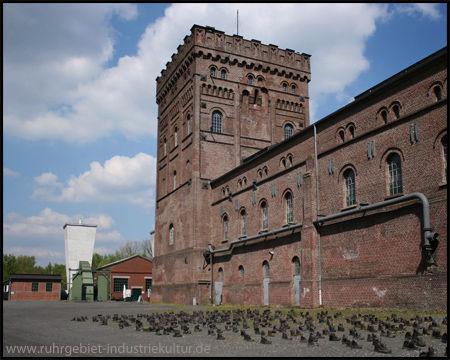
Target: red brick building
x=34 y=287
x=135 y=272
x=257 y=207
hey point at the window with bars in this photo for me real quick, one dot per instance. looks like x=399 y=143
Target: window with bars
x=288 y=131
x=395 y=174
x=49 y=287
x=148 y=284
x=119 y=283
x=289 y=210
x=216 y=122
x=264 y=215
x=225 y=227
x=35 y=286
x=350 y=195
x=243 y=223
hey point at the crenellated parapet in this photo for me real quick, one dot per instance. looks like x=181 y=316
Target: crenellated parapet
x=214 y=45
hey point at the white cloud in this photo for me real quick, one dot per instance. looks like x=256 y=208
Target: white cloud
x=54 y=64
x=42 y=235
x=9 y=172
x=120 y=179
x=425 y=9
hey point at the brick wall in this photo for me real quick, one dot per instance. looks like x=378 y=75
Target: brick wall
x=22 y=291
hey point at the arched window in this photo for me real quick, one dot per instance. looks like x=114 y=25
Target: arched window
x=289 y=208
x=342 y=135
x=263 y=215
x=221 y=274
x=176 y=136
x=437 y=93
x=284 y=88
x=444 y=155
x=395 y=174
x=174 y=180
x=288 y=131
x=250 y=80
x=396 y=110
x=241 y=271
x=225 y=227
x=384 y=116
x=223 y=74
x=243 y=223
x=351 y=129
x=189 y=124
x=266 y=269
x=293 y=89
x=165 y=147
x=213 y=72
x=171 y=234
x=216 y=122
x=350 y=195
x=296 y=263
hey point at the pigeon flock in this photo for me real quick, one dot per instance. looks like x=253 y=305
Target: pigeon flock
x=267 y=326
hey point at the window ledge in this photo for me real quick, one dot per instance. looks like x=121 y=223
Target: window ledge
x=349 y=207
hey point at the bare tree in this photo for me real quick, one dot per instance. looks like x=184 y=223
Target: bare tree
x=146 y=248
x=130 y=248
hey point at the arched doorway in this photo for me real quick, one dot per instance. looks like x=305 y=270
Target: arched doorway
x=296 y=265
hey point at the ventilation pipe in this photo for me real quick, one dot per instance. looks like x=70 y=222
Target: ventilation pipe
x=428 y=235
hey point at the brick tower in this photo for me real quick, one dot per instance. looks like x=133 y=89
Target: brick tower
x=220 y=100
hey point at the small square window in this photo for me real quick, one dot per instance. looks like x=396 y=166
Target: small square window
x=35 y=286
x=49 y=287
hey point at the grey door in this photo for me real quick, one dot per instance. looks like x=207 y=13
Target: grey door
x=297 y=290
x=266 y=291
x=218 y=292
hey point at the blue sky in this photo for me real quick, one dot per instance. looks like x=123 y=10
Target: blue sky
x=79 y=109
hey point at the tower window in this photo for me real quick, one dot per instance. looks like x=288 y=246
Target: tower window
x=396 y=109
x=176 y=136
x=189 y=124
x=284 y=88
x=384 y=116
x=437 y=93
x=241 y=271
x=293 y=89
x=350 y=195
x=288 y=131
x=171 y=234
x=395 y=174
x=216 y=122
x=250 y=80
x=174 y=180
x=213 y=72
x=223 y=74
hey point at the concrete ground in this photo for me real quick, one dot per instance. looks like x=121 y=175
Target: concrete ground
x=40 y=328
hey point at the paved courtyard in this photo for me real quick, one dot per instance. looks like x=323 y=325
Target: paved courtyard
x=39 y=328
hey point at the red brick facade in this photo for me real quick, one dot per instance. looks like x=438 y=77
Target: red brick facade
x=207 y=180
x=136 y=270
x=46 y=288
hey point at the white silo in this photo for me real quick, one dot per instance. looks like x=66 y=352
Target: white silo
x=79 y=242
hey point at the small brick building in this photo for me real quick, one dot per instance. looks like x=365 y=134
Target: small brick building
x=34 y=287
x=135 y=272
